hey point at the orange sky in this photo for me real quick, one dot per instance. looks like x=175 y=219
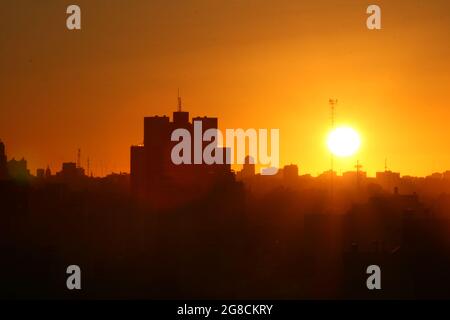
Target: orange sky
x=251 y=63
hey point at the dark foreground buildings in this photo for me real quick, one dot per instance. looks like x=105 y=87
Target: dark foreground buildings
x=203 y=235
x=156 y=179
x=3 y=165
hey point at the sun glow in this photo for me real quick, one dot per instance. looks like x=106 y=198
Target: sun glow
x=343 y=141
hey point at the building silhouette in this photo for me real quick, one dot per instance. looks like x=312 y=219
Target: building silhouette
x=48 y=172
x=3 y=162
x=70 y=171
x=290 y=173
x=388 y=179
x=248 y=169
x=157 y=180
x=137 y=170
x=17 y=169
x=40 y=173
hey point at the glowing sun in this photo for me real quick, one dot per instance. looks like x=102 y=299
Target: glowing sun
x=343 y=141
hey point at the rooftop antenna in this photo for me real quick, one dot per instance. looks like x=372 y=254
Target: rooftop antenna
x=358 y=166
x=358 y=170
x=385 y=165
x=88 y=165
x=179 y=101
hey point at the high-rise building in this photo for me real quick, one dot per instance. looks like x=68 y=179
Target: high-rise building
x=70 y=171
x=155 y=177
x=181 y=119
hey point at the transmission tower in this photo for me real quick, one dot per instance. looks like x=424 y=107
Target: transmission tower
x=333 y=103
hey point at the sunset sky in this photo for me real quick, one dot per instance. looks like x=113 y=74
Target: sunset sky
x=251 y=63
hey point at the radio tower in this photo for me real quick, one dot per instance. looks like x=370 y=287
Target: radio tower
x=333 y=103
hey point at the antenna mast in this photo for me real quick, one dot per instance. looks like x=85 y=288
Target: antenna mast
x=333 y=103
x=358 y=171
x=179 y=101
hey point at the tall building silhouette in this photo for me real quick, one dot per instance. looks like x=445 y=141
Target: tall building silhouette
x=155 y=178
x=70 y=171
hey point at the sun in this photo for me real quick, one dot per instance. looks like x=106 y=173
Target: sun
x=343 y=141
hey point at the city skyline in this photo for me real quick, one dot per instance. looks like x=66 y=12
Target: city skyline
x=253 y=64
x=85 y=163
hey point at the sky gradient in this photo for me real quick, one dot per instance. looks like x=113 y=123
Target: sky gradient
x=251 y=63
